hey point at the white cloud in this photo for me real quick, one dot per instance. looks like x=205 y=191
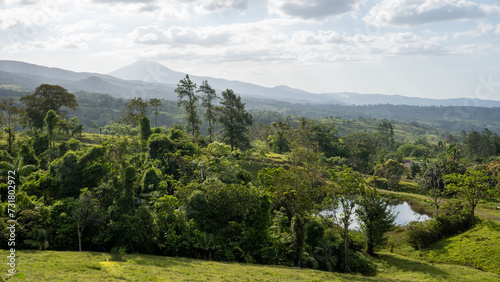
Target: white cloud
x=124 y=1
x=83 y=25
x=32 y=16
x=480 y=30
x=416 y=12
x=327 y=45
x=214 y=5
x=177 y=36
x=321 y=37
x=313 y=9
x=76 y=42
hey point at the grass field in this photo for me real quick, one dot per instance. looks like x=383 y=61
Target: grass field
x=92 y=266
x=471 y=256
x=477 y=248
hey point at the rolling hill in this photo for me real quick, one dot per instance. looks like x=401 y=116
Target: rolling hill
x=149 y=79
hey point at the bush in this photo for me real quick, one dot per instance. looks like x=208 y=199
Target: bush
x=418 y=235
x=422 y=235
x=5 y=156
x=379 y=183
x=359 y=263
x=74 y=145
x=117 y=254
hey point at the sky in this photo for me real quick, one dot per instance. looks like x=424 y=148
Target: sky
x=419 y=48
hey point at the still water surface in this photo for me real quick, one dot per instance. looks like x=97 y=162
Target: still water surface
x=403 y=211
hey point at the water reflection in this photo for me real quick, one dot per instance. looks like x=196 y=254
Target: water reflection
x=403 y=211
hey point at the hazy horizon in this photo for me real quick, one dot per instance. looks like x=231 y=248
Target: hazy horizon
x=430 y=49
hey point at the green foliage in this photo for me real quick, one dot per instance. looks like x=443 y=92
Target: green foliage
x=186 y=97
x=481 y=144
x=67 y=173
x=180 y=198
x=362 y=148
x=40 y=143
x=156 y=103
x=471 y=187
x=406 y=149
x=51 y=120
x=151 y=180
x=347 y=188
x=476 y=248
x=159 y=145
x=87 y=214
x=73 y=144
x=65 y=235
x=145 y=128
x=208 y=98
x=279 y=141
x=117 y=253
x=234 y=120
x=391 y=170
x=28 y=155
x=219 y=149
x=134 y=111
x=46 y=98
x=11 y=120
x=375 y=218
x=424 y=234
x=76 y=126
x=5 y=156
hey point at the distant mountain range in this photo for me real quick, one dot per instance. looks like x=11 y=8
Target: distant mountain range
x=152 y=80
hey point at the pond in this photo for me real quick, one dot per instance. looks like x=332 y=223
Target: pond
x=403 y=211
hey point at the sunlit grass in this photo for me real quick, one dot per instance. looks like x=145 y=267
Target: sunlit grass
x=91 y=266
x=477 y=248
x=401 y=268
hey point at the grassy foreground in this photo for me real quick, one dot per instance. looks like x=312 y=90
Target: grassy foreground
x=92 y=266
x=478 y=248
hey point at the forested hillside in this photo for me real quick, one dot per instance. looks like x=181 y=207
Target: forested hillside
x=211 y=177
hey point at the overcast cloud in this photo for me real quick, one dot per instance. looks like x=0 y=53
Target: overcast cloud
x=425 y=48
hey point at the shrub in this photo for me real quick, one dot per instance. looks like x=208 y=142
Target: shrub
x=422 y=235
x=117 y=254
x=359 y=263
x=418 y=235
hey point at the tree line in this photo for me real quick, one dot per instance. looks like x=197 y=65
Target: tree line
x=243 y=192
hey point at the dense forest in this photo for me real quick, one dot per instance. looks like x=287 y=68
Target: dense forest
x=214 y=177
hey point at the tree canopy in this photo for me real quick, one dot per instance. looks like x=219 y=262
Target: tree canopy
x=234 y=120
x=45 y=98
x=186 y=96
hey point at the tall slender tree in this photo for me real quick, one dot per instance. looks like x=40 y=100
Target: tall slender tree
x=12 y=116
x=134 y=111
x=51 y=121
x=145 y=128
x=186 y=94
x=234 y=120
x=155 y=104
x=376 y=218
x=348 y=187
x=86 y=214
x=208 y=98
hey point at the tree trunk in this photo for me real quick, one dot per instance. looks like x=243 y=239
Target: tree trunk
x=79 y=238
x=346 y=248
x=437 y=207
x=298 y=230
x=370 y=249
x=472 y=215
